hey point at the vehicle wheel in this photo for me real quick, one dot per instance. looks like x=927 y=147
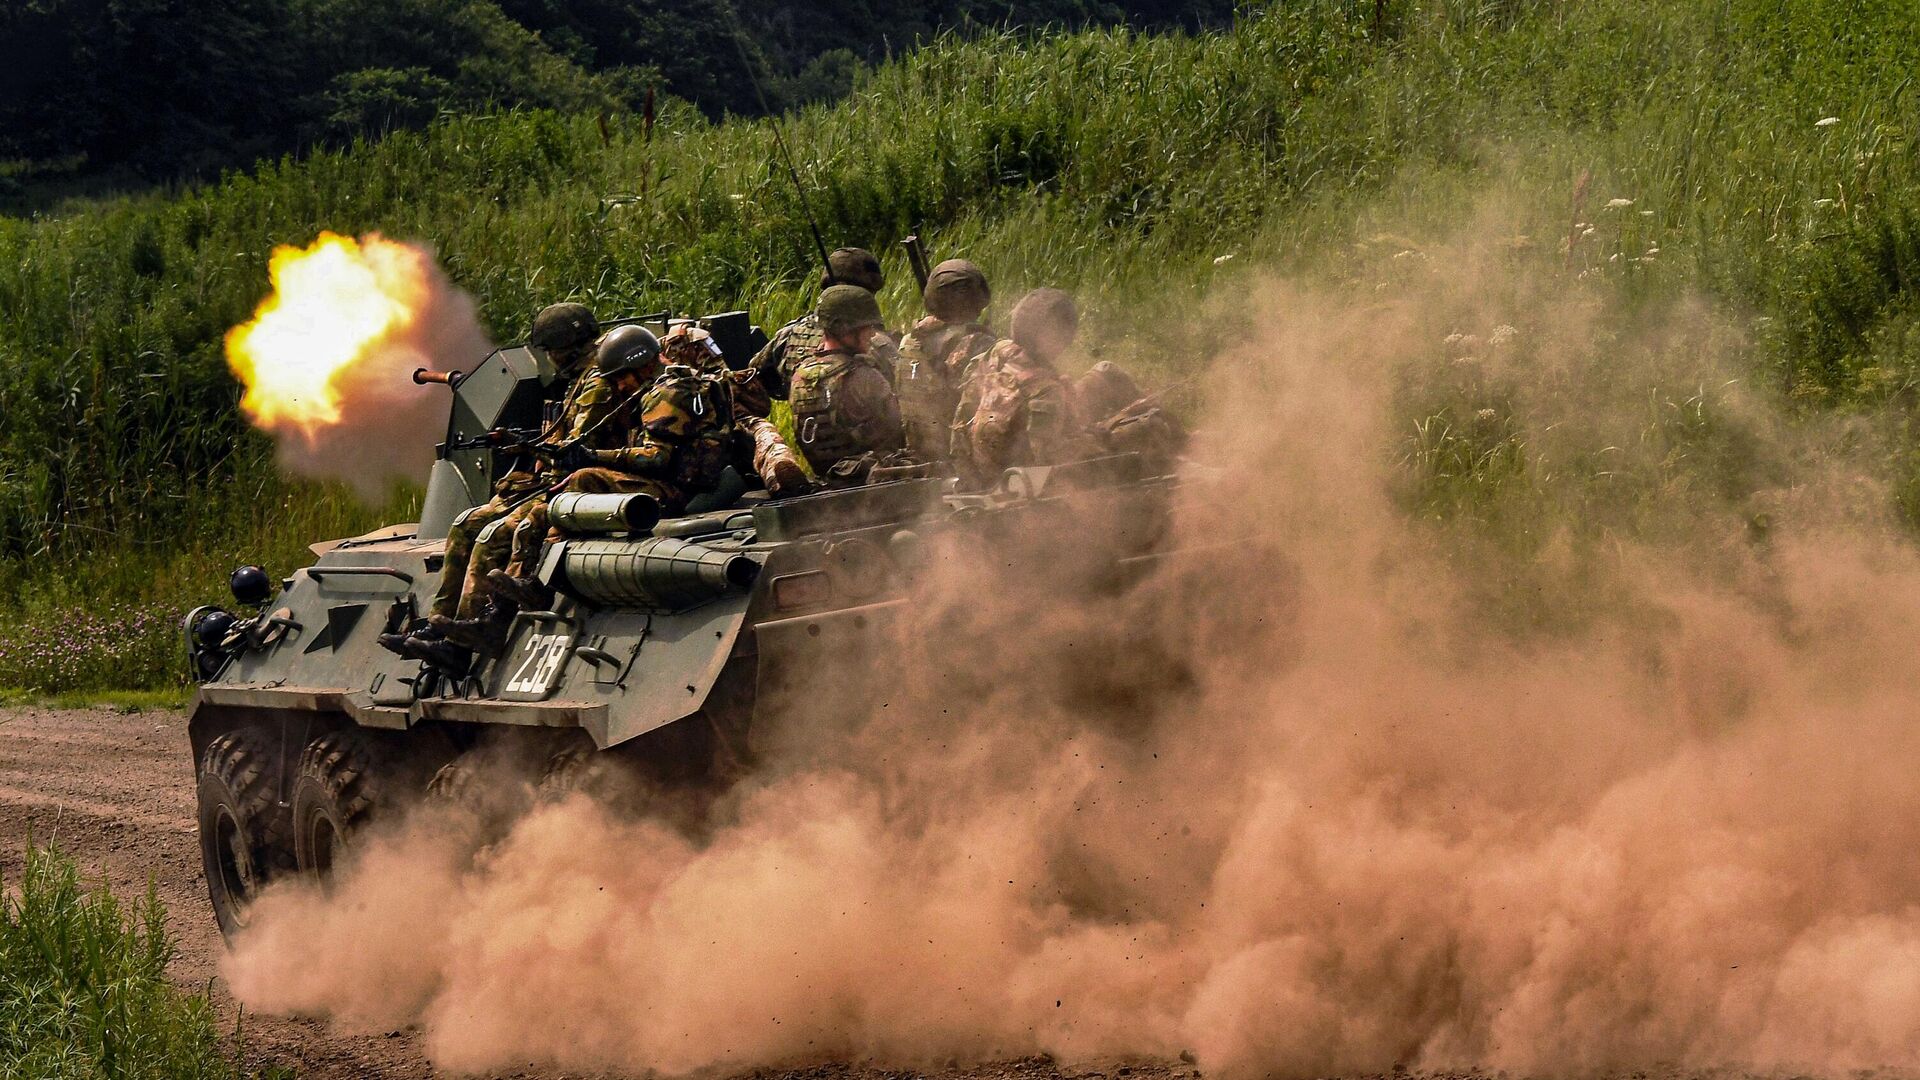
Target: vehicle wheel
x=341 y=784
x=570 y=770
x=244 y=831
x=454 y=785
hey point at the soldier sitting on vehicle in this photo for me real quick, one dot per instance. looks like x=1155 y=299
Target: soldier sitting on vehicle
x=937 y=354
x=845 y=414
x=673 y=447
x=1123 y=420
x=566 y=333
x=796 y=342
x=758 y=445
x=1017 y=409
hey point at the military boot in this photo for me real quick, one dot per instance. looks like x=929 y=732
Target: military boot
x=397 y=642
x=529 y=593
x=789 y=480
x=442 y=654
x=486 y=633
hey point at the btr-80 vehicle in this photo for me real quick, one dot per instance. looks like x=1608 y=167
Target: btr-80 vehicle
x=671 y=643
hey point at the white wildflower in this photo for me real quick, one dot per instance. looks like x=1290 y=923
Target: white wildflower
x=1502 y=334
x=1826 y=121
x=1486 y=414
x=1586 y=232
x=1221 y=259
x=1453 y=338
x=1654 y=250
x=1619 y=204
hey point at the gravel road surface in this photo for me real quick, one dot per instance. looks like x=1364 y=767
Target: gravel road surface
x=115 y=790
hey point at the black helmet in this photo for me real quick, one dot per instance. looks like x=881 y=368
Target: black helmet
x=853 y=266
x=846 y=308
x=1044 y=323
x=956 y=291
x=629 y=348
x=563 y=326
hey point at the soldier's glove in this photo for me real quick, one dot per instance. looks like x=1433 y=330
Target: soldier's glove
x=573 y=456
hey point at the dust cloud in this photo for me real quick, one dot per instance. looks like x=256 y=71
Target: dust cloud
x=1611 y=769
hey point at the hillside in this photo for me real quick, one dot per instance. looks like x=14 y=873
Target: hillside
x=1764 y=166
x=117 y=94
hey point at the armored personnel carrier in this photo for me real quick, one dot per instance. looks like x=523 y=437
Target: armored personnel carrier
x=672 y=643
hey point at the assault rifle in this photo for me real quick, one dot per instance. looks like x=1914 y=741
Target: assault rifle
x=917 y=258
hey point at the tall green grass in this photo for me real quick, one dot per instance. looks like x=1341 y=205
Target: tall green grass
x=1121 y=165
x=83 y=986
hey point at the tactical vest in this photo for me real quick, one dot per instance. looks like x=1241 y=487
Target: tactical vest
x=827 y=434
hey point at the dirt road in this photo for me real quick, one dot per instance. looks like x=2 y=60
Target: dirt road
x=115 y=791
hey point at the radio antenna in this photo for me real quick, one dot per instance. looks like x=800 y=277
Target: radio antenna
x=780 y=140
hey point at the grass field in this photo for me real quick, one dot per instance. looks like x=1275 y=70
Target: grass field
x=83 y=986
x=1758 y=160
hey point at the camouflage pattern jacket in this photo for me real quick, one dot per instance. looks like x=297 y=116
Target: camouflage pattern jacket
x=582 y=412
x=843 y=407
x=933 y=362
x=681 y=433
x=1016 y=410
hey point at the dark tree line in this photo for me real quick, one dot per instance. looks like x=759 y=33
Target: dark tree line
x=133 y=91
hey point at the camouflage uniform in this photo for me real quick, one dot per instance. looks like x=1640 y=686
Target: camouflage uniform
x=792 y=345
x=845 y=414
x=470 y=542
x=585 y=416
x=757 y=443
x=1017 y=410
x=934 y=360
x=1123 y=420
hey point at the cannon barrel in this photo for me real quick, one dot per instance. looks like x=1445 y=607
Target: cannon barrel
x=590 y=512
x=423 y=376
x=659 y=573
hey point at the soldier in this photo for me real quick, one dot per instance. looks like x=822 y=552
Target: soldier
x=1017 y=409
x=936 y=355
x=566 y=332
x=845 y=414
x=1123 y=420
x=758 y=445
x=628 y=360
x=796 y=342
x=676 y=447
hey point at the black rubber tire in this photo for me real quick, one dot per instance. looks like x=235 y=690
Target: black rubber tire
x=568 y=771
x=455 y=785
x=342 y=783
x=246 y=836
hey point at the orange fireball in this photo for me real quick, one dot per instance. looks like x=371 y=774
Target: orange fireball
x=333 y=305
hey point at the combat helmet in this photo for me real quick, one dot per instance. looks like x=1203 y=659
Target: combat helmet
x=844 y=309
x=853 y=266
x=563 y=326
x=956 y=291
x=1044 y=323
x=630 y=348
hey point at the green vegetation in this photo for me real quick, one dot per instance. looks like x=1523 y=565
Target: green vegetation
x=1769 y=157
x=99 y=93
x=83 y=986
